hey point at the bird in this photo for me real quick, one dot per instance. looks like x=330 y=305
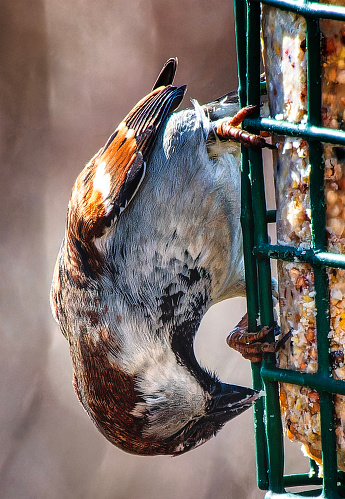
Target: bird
x=152 y=241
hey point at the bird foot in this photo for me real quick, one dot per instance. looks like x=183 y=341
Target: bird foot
x=229 y=130
x=249 y=345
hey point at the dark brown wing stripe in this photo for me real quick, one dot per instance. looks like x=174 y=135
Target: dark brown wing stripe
x=108 y=183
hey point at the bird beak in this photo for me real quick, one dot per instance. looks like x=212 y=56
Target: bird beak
x=231 y=400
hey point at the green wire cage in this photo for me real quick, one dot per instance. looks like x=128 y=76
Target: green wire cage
x=259 y=252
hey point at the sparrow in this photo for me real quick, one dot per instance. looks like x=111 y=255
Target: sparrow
x=152 y=241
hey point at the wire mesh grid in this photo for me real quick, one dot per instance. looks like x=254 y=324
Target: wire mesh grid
x=259 y=252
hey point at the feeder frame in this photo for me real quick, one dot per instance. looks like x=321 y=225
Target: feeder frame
x=258 y=253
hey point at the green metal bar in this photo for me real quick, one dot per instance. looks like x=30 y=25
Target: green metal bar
x=319 y=243
x=254 y=212
x=341 y=490
x=253 y=55
x=263 y=88
x=316 y=381
x=292 y=254
x=248 y=242
x=302 y=130
x=271 y=216
x=240 y=13
x=341 y=477
x=253 y=313
x=310 y=10
x=256 y=166
x=260 y=432
x=314 y=469
x=313 y=51
x=273 y=420
x=240 y=10
x=328 y=441
x=317 y=195
x=246 y=207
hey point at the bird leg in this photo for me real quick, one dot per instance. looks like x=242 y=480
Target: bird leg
x=230 y=130
x=249 y=345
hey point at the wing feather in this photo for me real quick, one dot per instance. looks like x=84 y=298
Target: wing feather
x=112 y=177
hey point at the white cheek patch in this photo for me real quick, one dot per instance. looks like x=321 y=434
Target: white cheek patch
x=170 y=395
x=102 y=183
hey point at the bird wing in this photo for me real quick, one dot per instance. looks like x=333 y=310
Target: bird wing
x=109 y=182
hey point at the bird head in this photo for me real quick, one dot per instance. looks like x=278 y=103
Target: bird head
x=186 y=415
x=159 y=401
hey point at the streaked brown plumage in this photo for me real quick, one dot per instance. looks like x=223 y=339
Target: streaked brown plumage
x=152 y=240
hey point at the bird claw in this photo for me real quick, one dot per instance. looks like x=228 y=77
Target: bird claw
x=229 y=130
x=249 y=345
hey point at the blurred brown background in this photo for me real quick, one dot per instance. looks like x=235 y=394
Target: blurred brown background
x=70 y=71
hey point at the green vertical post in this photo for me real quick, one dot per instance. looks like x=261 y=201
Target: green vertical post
x=257 y=251
x=240 y=9
x=273 y=420
x=319 y=242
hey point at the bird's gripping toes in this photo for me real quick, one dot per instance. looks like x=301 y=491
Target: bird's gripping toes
x=152 y=240
x=253 y=345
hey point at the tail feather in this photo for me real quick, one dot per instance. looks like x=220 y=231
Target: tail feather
x=167 y=74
